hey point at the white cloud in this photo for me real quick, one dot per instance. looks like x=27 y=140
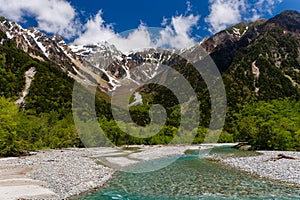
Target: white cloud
x=254 y=16
x=224 y=13
x=164 y=21
x=52 y=16
x=175 y=35
x=189 y=7
x=95 y=30
x=59 y=17
x=137 y=39
x=263 y=6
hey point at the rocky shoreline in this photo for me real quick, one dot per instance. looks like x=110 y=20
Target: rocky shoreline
x=281 y=166
x=61 y=174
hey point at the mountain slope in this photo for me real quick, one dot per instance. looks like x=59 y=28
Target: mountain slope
x=264 y=60
x=269 y=64
x=51 y=88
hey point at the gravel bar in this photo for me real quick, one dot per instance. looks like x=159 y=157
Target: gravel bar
x=66 y=172
x=268 y=166
x=60 y=174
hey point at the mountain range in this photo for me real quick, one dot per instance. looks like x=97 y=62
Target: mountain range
x=270 y=38
x=258 y=61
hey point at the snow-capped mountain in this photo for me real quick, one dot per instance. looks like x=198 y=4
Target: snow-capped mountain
x=100 y=63
x=92 y=62
x=113 y=66
x=105 y=65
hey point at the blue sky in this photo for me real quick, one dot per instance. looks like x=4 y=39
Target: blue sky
x=180 y=22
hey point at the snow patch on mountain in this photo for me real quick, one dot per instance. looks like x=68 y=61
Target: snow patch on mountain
x=104 y=48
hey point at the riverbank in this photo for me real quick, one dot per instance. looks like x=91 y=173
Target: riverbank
x=53 y=174
x=270 y=165
x=59 y=174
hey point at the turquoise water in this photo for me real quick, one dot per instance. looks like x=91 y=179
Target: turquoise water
x=193 y=178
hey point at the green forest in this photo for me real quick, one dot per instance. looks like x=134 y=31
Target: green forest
x=273 y=125
x=21 y=132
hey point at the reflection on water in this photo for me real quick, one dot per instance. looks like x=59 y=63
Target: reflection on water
x=193 y=178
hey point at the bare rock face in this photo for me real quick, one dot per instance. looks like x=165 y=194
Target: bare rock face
x=113 y=66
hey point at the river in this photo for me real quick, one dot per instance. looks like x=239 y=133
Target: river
x=191 y=177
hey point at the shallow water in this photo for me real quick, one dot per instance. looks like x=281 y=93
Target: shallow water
x=191 y=177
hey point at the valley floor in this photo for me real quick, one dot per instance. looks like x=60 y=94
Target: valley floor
x=59 y=174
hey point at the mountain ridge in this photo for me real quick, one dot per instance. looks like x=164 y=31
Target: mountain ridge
x=104 y=57
x=104 y=65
